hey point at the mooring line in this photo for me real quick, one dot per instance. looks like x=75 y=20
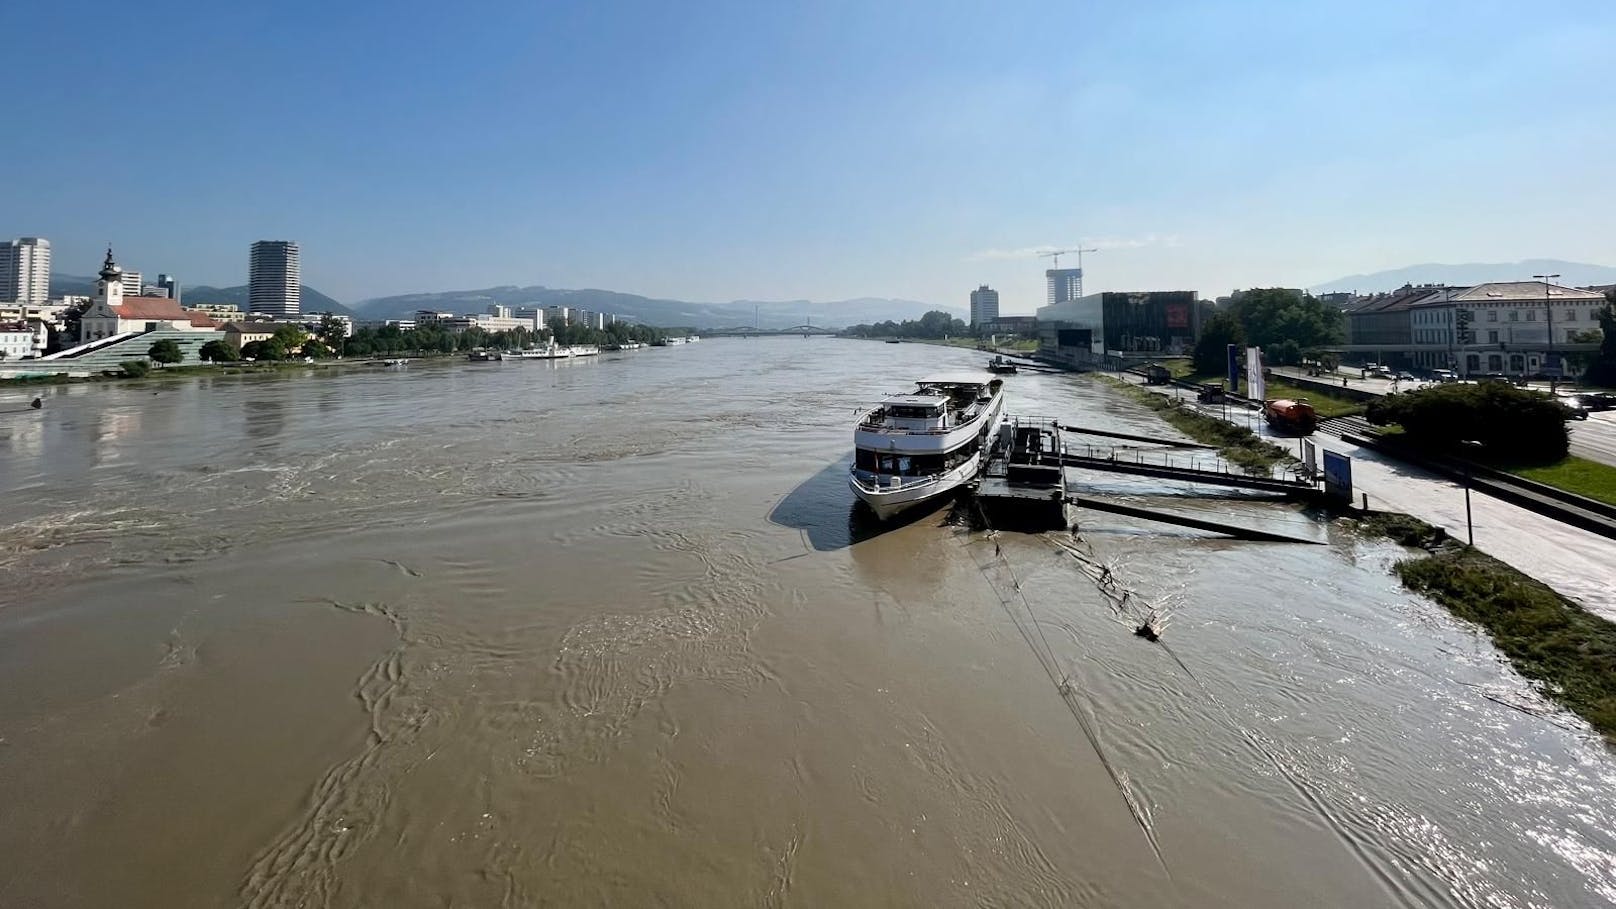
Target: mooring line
x=1065 y=689
x=1314 y=800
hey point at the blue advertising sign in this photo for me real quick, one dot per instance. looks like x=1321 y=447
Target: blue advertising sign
x=1553 y=366
x=1338 y=476
x=1234 y=367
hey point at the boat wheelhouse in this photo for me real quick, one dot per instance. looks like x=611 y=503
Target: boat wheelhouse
x=918 y=447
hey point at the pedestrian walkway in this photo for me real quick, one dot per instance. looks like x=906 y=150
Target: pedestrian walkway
x=1577 y=563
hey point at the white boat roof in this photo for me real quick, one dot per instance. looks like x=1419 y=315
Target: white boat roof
x=954 y=378
x=917 y=400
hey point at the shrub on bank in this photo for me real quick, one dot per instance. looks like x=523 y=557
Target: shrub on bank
x=1546 y=637
x=1512 y=424
x=135 y=369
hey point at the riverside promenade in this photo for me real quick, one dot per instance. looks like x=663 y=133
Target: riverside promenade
x=1579 y=564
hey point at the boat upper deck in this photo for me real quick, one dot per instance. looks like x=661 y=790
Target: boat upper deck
x=937 y=406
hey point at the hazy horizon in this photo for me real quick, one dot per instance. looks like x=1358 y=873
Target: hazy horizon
x=734 y=152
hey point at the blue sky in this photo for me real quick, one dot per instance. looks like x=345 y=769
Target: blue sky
x=715 y=151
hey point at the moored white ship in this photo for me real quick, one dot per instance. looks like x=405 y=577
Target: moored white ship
x=916 y=448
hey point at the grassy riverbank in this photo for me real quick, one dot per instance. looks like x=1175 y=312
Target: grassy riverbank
x=1237 y=444
x=1547 y=638
x=1574 y=474
x=193 y=370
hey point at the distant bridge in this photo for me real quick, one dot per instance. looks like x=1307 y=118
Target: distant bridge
x=747 y=331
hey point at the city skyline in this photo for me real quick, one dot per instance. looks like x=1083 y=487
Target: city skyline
x=720 y=154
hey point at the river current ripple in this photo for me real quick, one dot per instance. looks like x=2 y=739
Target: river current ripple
x=611 y=631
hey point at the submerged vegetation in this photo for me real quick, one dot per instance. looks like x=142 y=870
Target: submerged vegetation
x=1568 y=650
x=1236 y=444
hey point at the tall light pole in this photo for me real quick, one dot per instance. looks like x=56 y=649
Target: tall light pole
x=1548 y=305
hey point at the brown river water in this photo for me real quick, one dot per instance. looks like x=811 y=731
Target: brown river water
x=611 y=632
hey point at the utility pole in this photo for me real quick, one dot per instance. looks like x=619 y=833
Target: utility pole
x=1554 y=379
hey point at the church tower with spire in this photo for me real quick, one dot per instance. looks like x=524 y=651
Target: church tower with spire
x=109 y=289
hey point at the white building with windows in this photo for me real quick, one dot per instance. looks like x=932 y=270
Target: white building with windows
x=25 y=269
x=984 y=306
x=1506 y=327
x=21 y=340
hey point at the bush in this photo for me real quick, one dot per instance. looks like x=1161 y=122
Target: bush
x=135 y=369
x=219 y=352
x=166 y=351
x=1511 y=424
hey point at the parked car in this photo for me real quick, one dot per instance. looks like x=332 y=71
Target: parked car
x=1444 y=375
x=1577 y=406
x=1599 y=400
x=1405 y=377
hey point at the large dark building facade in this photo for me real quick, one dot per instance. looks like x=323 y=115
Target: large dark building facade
x=1121 y=324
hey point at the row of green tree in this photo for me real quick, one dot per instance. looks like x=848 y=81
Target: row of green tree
x=328 y=340
x=1287 y=324
x=391 y=340
x=934 y=324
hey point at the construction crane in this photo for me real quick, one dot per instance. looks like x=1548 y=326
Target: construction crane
x=1057 y=253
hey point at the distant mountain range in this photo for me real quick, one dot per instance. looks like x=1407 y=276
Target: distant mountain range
x=1573 y=274
x=652 y=311
x=313 y=300
x=649 y=310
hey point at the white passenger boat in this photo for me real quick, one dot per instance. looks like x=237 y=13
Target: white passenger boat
x=916 y=448
x=553 y=351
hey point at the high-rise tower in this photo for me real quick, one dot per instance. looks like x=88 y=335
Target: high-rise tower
x=274 y=281
x=25 y=266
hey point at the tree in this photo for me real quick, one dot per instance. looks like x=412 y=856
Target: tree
x=1211 y=351
x=1513 y=425
x=166 y=351
x=271 y=349
x=135 y=369
x=290 y=338
x=1603 y=370
x=219 y=352
x=1272 y=315
x=332 y=333
x=316 y=348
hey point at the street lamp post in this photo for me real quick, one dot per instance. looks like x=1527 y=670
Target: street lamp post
x=1548 y=306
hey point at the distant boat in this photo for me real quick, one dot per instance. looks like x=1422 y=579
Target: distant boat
x=485 y=356
x=894 y=341
x=1000 y=365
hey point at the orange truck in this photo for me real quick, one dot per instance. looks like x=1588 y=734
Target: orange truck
x=1294 y=416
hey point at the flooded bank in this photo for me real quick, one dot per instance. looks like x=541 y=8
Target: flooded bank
x=611 y=630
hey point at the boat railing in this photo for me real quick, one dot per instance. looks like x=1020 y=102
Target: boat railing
x=876 y=421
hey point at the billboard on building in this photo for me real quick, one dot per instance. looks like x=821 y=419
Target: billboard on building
x=1178 y=315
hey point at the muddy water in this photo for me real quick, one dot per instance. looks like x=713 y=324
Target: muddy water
x=609 y=631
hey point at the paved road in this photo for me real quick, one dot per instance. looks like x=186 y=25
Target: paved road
x=1578 y=564
x=1594 y=438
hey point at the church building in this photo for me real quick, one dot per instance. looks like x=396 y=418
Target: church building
x=113 y=313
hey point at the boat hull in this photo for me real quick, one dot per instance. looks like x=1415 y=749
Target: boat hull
x=890 y=501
